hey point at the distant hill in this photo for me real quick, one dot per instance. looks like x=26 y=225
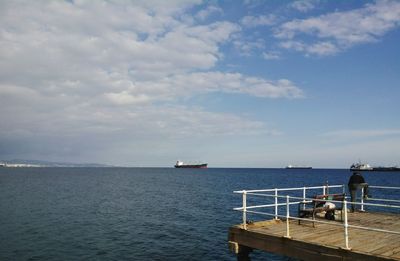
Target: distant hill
x=42 y=163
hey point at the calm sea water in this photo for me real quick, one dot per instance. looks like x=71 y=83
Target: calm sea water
x=136 y=213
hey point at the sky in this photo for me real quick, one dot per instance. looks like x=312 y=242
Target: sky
x=234 y=84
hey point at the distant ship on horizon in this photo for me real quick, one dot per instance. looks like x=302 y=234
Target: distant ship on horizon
x=360 y=166
x=380 y=168
x=366 y=167
x=297 y=167
x=180 y=164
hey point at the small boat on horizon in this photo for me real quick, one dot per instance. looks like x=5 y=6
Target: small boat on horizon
x=297 y=167
x=180 y=164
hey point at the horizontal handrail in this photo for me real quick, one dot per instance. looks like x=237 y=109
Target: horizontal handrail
x=292 y=197
x=288 y=189
x=382 y=187
x=265 y=206
x=381 y=199
x=317 y=199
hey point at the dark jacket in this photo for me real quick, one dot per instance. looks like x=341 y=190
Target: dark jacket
x=355 y=179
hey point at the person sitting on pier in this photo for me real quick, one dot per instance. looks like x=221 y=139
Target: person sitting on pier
x=357 y=181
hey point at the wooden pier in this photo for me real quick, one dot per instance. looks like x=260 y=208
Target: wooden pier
x=322 y=242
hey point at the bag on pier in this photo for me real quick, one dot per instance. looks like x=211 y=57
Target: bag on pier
x=330 y=215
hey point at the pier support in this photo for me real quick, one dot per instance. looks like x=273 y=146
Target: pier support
x=242 y=252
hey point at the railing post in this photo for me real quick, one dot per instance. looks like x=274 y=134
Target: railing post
x=287 y=217
x=327 y=188
x=244 y=210
x=362 y=199
x=276 y=203
x=304 y=193
x=346 y=226
x=323 y=190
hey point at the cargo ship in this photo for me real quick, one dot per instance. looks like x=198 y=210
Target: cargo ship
x=180 y=164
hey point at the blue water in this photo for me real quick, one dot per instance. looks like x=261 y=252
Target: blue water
x=136 y=213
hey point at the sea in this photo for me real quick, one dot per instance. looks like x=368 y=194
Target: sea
x=138 y=213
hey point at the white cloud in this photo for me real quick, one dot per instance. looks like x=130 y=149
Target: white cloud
x=210 y=10
x=340 y=30
x=319 y=48
x=304 y=5
x=190 y=84
x=98 y=74
x=90 y=44
x=116 y=63
x=124 y=98
x=247 y=47
x=233 y=83
x=271 y=55
x=195 y=122
x=254 y=21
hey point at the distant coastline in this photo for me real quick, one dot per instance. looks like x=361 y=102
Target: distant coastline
x=43 y=164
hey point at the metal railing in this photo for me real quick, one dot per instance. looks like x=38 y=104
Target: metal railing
x=295 y=200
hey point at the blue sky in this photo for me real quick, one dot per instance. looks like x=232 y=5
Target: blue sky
x=234 y=84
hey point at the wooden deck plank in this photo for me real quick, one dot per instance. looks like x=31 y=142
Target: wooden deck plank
x=326 y=240
x=388 y=250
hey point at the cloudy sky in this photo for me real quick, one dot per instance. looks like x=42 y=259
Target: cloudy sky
x=235 y=84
